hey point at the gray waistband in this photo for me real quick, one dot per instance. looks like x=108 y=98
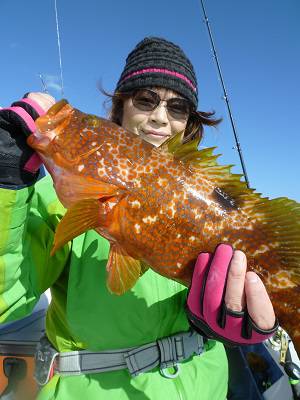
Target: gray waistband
x=165 y=352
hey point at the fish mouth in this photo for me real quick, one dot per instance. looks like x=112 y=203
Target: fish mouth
x=50 y=125
x=55 y=116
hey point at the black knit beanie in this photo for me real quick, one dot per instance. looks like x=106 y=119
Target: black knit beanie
x=157 y=62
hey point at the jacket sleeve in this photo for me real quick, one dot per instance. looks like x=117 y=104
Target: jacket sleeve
x=28 y=218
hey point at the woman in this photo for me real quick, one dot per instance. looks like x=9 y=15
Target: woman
x=156 y=97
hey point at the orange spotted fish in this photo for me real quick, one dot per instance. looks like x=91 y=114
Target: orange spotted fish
x=160 y=207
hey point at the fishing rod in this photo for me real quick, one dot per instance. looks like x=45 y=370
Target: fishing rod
x=43 y=81
x=291 y=366
x=59 y=49
x=238 y=145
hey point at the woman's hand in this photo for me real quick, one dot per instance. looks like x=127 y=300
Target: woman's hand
x=44 y=100
x=227 y=303
x=246 y=290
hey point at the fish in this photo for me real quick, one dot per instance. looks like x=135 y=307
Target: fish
x=159 y=207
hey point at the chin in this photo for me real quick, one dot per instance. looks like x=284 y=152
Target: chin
x=154 y=142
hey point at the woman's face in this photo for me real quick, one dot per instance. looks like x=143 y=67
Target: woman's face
x=154 y=126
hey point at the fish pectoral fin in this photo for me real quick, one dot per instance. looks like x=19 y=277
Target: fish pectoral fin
x=84 y=187
x=123 y=270
x=79 y=218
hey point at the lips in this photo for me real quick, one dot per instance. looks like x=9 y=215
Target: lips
x=154 y=133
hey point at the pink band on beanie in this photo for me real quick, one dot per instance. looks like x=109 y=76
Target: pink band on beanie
x=161 y=71
x=34 y=105
x=24 y=115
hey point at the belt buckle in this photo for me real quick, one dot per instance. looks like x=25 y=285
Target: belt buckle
x=44 y=361
x=192 y=344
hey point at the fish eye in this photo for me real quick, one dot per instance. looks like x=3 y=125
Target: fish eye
x=91 y=120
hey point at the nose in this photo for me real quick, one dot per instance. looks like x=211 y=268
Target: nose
x=159 y=114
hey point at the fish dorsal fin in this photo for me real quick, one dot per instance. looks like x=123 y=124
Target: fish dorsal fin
x=279 y=218
x=204 y=162
x=172 y=144
x=123 y=270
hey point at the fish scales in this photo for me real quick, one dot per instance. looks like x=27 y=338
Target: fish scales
x=160 y=207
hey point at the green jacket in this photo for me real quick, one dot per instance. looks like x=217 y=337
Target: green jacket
x=84 y=315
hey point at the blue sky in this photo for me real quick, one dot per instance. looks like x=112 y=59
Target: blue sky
x=258 y=47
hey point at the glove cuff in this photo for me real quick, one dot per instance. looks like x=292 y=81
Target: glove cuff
x=25 y=123
x=21 y=118
x=251 y=333
x=31 y=107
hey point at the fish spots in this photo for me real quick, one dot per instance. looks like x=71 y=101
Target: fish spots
x=149 y=219
x=195 y=211
x=179 y=265
x=176 y=196
x=141 y=169
x=192 y=238
x=236 y=243
x=110 y=204
x=137 y=228
x=80 y=167
x=208 y=227
x=124 y=174
x=101 y=172
x=171 y=210
x=137 y=183
x=282 y=280
x=260 y=250
x=178 y=235
x=148 y=169
x=162 y=182
x=184 y=197
x=135 y=204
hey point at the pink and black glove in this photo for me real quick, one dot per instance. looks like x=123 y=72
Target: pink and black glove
x=19 y=164
x=206 y=308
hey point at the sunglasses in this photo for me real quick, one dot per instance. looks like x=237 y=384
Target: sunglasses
x=148 y=100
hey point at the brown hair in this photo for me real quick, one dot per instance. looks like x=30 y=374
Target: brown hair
x=195 y=124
